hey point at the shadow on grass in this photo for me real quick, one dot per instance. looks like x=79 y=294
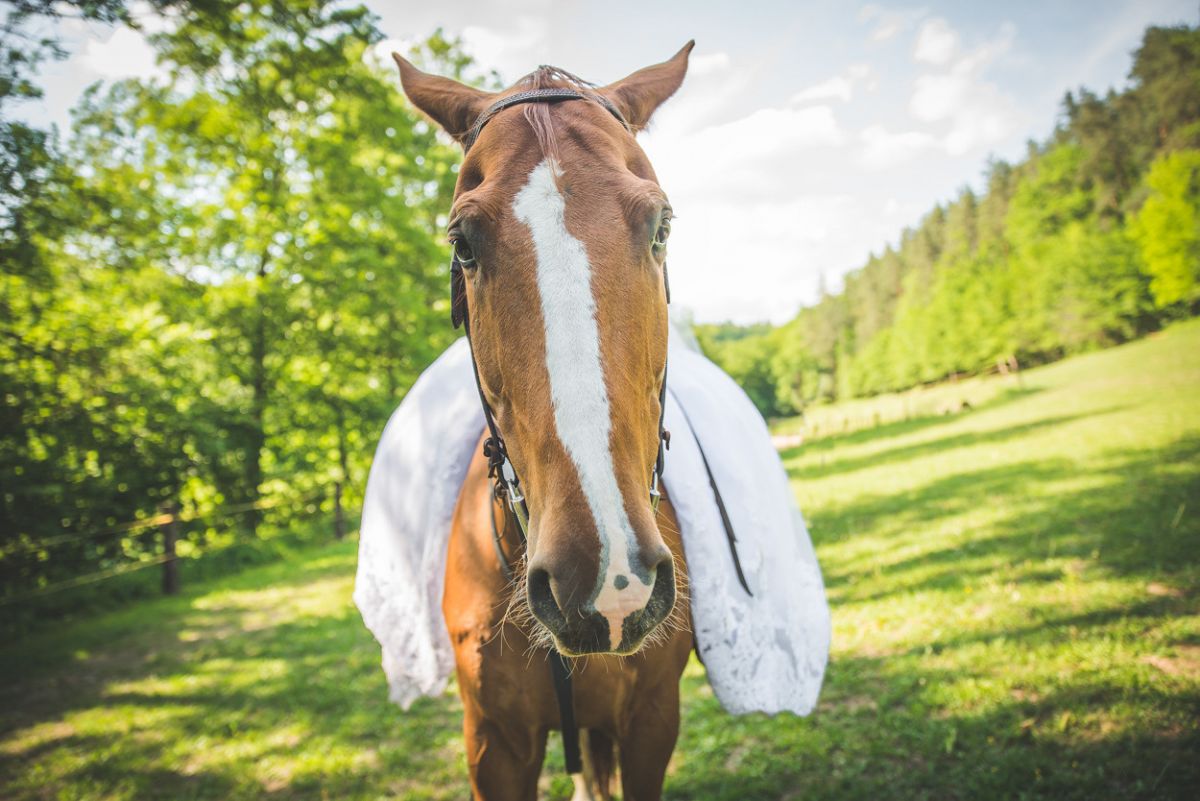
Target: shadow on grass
x=901 y=428
x=884 y=730
x=225 y=696
x=1129 y=521
x=907 y=452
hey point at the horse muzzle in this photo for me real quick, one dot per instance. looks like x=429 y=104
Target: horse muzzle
x=614 y=622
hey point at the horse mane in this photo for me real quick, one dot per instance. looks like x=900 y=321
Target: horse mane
x=538 y=114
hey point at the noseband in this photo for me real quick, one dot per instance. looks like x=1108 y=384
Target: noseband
x=500 y=468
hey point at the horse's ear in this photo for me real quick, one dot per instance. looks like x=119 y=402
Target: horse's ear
x=639 y=94
x=450 y=104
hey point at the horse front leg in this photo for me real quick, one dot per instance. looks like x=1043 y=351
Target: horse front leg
x=505 y=760
x=647 y=744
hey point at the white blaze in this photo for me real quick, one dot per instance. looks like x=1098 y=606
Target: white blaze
x=577 y=388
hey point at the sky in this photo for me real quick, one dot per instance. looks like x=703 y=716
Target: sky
x=806 y=136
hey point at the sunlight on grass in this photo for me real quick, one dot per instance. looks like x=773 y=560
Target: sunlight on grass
x=264 y=684
x=1016 y=606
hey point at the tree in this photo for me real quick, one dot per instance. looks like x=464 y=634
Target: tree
x=1167 y=229
x=28 y=165
x=1166 y=69
x=310 y=189
x=241 y=271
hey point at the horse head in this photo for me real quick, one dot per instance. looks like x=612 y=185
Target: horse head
x=560 y=227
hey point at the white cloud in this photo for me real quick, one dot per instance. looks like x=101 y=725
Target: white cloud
x=762 y=260
x=754 y=156
x=883 y=149
x=512 y=51
x=781 y=189
x=710 y=92
x=777 y=190
x=151 y=20
x=784 y=245
x=937 y=97
x=889 y=22
x=379 y=55
x=123 y=54
x=707 y=64
x=991 y=118
x=742 y=195
x=839 y=87
x=979 y=114
x=863 y=72
x=937 y=42
x=770 y=132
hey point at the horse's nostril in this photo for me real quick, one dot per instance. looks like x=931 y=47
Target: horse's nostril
x=664 y=571
x=660 y=559
x=539 y=586
x=541 y=597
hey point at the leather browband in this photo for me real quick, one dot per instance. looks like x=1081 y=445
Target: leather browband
x=548 y=95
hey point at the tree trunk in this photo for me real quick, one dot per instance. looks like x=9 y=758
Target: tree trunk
x=391 y=357
x=170 y=533
x=339 y=522
x=258 y=436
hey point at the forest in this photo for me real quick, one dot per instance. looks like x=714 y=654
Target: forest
x=1091 y=240
x=216 y=289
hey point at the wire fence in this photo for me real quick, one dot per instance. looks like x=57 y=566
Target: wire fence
x=164 y=521
x=158 y=520
x=90 y=578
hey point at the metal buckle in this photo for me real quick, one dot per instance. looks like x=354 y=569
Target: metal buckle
x=664 y=442
x=516 y=500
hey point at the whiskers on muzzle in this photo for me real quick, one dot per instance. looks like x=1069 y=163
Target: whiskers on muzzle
x=519 y=614
x=679 y=619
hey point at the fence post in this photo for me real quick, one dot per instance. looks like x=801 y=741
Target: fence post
x=339 y=524
x=170 y=532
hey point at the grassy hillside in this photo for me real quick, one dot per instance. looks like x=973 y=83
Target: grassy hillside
x=1016 y=598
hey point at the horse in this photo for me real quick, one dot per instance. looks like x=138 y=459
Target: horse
x=559 y=230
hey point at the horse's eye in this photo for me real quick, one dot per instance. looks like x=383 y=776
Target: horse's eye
x=462 y=251
x=661 y=235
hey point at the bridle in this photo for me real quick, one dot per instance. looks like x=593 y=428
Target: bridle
x=548 y=95
x=507 y=486
x=500 y=468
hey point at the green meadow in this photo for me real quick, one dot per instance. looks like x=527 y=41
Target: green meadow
x=1016 y=600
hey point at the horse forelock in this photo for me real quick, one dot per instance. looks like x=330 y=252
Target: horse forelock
x=538 y=114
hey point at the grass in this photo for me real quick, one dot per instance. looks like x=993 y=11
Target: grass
x=1016 y=601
